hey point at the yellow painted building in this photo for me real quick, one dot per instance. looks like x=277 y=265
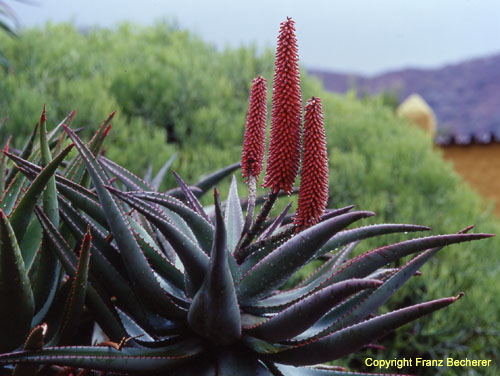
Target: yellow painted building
x=476 y=158
x=479 y=164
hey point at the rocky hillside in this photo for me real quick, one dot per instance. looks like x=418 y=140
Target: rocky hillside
x=464 y=96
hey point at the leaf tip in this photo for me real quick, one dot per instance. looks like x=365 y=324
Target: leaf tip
x=43 y=118
x=459 y=296
x=466 y=230
x=217 y=198
x=106 y=131
x=7 y=144
x=88 y=233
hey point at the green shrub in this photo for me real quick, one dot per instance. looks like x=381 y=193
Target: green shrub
x=156 y=74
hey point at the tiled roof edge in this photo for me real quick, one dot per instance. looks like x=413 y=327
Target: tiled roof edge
x=480 y=138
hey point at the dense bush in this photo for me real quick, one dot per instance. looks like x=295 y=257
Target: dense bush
x=176 y=88
x=155 y=77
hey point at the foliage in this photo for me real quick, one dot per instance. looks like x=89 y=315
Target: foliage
x=155 y=74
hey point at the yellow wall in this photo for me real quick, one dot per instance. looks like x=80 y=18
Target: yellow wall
x=480 y=167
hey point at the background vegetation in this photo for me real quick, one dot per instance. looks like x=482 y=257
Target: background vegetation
x=175 y=93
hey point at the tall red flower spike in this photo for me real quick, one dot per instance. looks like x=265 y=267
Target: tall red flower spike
x=313 y=192
x=283 y=161
x=254 y=142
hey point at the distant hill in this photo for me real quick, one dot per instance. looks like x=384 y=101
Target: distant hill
x=464 y=96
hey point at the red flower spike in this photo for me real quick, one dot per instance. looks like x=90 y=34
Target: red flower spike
x=313 y=192
x=283 y=161
x=254 y=142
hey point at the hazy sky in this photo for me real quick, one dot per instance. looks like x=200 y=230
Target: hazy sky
x=366 y=36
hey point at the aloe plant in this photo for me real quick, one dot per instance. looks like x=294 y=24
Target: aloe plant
x=146 y=282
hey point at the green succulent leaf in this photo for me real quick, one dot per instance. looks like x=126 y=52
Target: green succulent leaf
x=105 y=314
x=3 y=167
x=25 y=153
x=370 y=261
x=330 y=275
x=384 y=292
x=21 y=215
x=47 y=273
x=16 y=297
x=178 y=221
x=202 y=229
x=275 y=224
x=134 y=329
x=158 y=179
x=263 y=248
x=34 y=341
x=366 y=303
x=330 y=213
x=273 y=270
x=300 y=316
x=360 y=233
x=350 y=339
x=285 y=298
x=109 y=359
x=13 y=193
x=211 y=180
x=76 y=170
x=80 y=196
x=329 y=268
x=233 y=218
x=54 y=138
x=322 y=326
x=145 y=281
x=325 y=371
x=131 y=181
x=176 y=293
x=32 y=150
x=178 y=194
x=52 y=135
x=195 y=261
x=36 y=338
x=214 y=311
x=31 y=244
x=234 y=268
x=84 y=200
x=104 y=251
x=107 y=267
x=76 y=300
x=161 y=264
x=191 y=199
